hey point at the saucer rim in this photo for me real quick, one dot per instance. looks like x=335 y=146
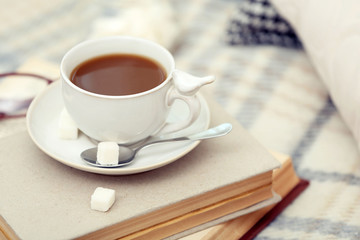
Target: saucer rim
x=107 y=171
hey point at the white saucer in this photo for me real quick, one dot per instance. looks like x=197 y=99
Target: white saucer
x=42 y=124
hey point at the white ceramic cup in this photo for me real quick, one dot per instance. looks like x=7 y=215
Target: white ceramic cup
x=128 y=118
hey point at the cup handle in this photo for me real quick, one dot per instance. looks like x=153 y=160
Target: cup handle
x=185 y=88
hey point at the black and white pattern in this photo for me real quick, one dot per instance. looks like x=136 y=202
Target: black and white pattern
x=257 y=22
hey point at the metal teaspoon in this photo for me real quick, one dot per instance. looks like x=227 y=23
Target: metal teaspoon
x=127 y=155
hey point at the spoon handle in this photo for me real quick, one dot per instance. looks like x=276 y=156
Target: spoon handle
x=217 y=131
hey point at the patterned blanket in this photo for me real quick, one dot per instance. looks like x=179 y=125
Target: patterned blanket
x=274 y=92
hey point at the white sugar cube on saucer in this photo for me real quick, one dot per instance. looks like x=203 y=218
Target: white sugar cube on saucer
x=67 y=128
x=102 y=199
x=107 y=153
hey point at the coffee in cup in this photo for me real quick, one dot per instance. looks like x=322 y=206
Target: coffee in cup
x=118 y=74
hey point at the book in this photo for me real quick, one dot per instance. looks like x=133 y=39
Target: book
x=42 y=198
x=285 y=182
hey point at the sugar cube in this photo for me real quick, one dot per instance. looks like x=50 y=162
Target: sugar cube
x=67 y=128
x=102 y=199
x=107 y=153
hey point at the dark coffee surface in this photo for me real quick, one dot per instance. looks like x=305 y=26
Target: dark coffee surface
x=118 y=74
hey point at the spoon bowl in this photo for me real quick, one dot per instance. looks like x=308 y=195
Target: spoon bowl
x=127 y=154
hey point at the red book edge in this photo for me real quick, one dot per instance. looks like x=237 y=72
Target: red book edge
x=275 y=211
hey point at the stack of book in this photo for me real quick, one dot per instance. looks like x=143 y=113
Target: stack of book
x=226 y=188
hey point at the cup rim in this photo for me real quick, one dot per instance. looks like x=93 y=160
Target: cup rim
x=104 y=39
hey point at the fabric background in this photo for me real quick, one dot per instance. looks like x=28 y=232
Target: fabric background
x=275 y=93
